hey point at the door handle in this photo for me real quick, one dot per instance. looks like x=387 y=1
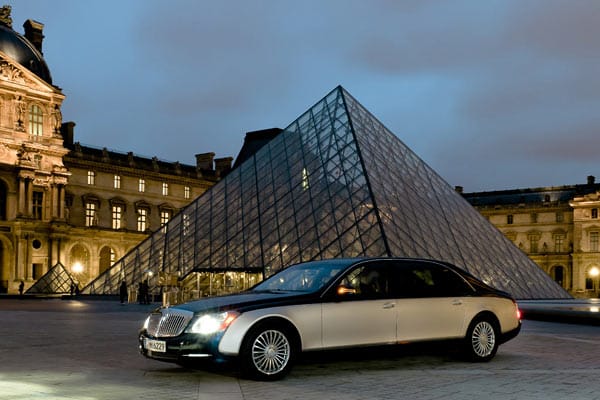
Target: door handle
x=387 y=306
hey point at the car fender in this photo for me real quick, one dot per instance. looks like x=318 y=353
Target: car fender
x=502 y=309
x=305 y=318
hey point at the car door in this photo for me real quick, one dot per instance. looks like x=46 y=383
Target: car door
x=431 y=302
x=359 y=310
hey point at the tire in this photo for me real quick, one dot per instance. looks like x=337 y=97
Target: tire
x=267 y=352
x=481 y=342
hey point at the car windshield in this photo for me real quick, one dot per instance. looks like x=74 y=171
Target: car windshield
x=306 y=277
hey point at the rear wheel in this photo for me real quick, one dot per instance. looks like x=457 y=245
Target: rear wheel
x=481 y=342
x=267 y=353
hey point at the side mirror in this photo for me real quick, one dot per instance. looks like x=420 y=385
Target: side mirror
x=344 y=290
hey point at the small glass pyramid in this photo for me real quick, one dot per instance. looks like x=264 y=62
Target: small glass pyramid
x=56 y=280
x=334 y=183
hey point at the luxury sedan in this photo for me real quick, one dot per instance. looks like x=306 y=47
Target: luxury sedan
x=335 y=304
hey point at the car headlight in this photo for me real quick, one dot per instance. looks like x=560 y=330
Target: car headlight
x=208 y=324
x=146 y=322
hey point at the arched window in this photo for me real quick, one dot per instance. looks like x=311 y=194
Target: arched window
x=36 y=120
x=558 y=274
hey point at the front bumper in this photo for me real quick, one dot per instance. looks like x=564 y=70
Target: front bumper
x=180 y=348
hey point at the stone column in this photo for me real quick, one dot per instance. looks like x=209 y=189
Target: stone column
x=28 y=266
x=61 y=201
x=22 y=264
x=29 y=198
x=53 y=201
x=21 y=198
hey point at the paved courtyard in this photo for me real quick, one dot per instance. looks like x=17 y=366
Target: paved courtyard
x=87 y=350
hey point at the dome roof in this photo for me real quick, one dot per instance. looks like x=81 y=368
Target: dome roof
x=21 y=50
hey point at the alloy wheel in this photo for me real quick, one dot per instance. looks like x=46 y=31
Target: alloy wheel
x=483 y=339
x=270 y=352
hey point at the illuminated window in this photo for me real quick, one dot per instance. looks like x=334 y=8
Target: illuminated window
x=165 y=216
x=90 y=214
x=36 y=119
x=91 y=178
x=594 y=241
x=186 y=224
x=117 y=182
x=38 y=204
x=142 y=219
x=117 y=215
x=305 y=184
x=165 y=189
x=186 y=192
x=142 y=185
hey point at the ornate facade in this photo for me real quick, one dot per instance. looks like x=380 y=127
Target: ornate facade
x=61 y=202
x=557 y=227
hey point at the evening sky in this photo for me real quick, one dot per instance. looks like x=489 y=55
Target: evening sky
x=493 y=94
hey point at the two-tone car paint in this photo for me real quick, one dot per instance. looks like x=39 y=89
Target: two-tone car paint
x=333 y=317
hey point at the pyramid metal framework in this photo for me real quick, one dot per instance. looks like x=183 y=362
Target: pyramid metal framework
x=335 y=183
x=56 y=280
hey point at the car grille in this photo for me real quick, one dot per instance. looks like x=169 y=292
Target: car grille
x=168 y=322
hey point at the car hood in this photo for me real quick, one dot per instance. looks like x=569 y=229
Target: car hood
x=245 y=301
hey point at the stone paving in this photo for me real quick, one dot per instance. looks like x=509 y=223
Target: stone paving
x=87 y=350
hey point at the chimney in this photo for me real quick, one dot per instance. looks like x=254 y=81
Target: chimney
x=591 y=179
x=458 y=189
x=204 y=161
x=33 y=33
x=223 y=165
x=67 y=130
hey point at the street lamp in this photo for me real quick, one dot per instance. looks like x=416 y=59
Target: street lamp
x=594 y=272
x=77 y=268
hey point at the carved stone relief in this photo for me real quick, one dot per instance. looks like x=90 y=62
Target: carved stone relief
x=56 y=119
x=19 y=110
x=9 y=72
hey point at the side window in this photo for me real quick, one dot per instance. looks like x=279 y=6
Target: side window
x=366 y=282
x=429 y=280
x=450 y=284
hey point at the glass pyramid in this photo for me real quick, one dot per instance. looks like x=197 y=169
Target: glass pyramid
x=334 y=183
x=56 y=280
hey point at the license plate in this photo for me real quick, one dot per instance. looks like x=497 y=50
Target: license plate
x=158 y=346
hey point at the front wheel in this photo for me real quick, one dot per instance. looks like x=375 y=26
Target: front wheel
x=481 y=342
x=266 y=353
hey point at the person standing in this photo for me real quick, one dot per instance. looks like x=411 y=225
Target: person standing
x=146 y=292
x=123 y=292
x=21 y=287
x=141 y=293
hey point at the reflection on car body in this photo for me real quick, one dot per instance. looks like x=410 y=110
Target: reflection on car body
x=335 y=304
